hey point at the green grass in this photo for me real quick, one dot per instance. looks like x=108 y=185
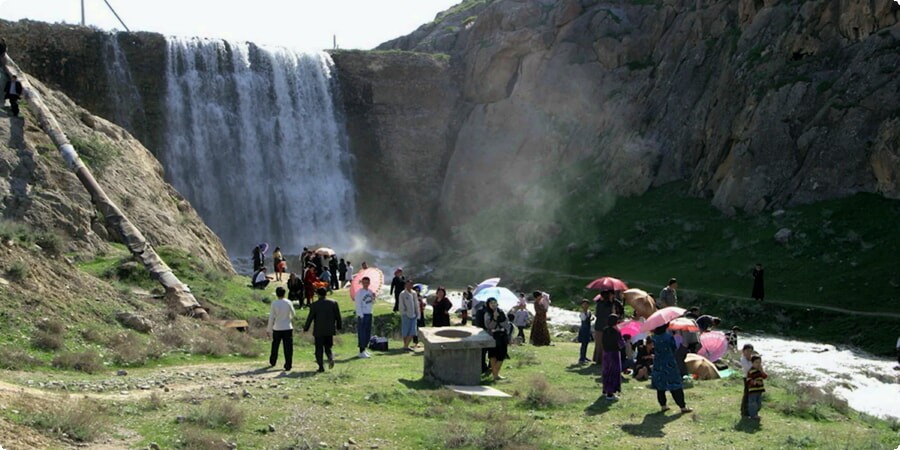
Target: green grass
x=384 y=401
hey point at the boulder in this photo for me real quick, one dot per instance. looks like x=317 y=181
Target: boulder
x=135 y=322
x=783 y=236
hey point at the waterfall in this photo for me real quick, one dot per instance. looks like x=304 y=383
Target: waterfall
x=255 y=141
x=124 y=98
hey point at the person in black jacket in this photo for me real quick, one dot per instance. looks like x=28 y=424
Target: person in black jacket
x=342 y=272
x=327 y=317
x=12 y=91
x=442 y=306
x=333 y=268
x=397 y=286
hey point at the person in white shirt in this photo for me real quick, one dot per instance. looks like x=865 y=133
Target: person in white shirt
x=365 y=300
x=281 y=329
x=409 y=313
x=260 y=279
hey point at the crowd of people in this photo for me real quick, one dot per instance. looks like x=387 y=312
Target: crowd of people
x=659 y=358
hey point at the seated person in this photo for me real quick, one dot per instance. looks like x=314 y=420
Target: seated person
x=260 y=280
x=707 y=322
x=643 y=367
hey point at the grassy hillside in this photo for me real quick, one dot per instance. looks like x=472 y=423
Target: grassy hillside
x=841 y=254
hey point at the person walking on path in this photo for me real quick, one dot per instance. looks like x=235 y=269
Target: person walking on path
x=442 y=306
x=494 y=319
x=665 y=376
x=540 y=334
x=333 y=268
x=585 y=335
x=326 y=315
x=409 y=313
x=398 y=284
x=12 y=91
x=612 y=358
x=279 y=263
x=759 y=283
x=281 y=329
x=669 y=295
x=606 y=306
x=755 y=387
x=365 y=301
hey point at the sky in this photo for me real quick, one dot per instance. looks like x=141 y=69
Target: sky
x=298 y=24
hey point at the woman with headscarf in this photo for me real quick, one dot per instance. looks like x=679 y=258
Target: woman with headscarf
x=442 y=305
x=310 y=278
x=495 y=324
x=259 y=256
x=540 y=334
x=666 y=376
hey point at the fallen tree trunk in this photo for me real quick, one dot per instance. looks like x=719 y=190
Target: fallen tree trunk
x=178 y=296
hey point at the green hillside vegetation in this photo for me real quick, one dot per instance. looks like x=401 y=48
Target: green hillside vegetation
x=840 y=255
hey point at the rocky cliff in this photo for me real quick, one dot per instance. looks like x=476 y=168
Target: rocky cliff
x=36 y=187
x=758 y=104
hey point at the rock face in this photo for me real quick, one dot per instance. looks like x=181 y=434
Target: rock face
x=37 y=188
x=758 y=104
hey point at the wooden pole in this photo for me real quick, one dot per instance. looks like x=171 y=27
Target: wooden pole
x=178 y=296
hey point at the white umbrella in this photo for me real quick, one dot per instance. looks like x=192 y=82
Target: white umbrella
x=489 y=283
x=506 y=299
x=324 y=251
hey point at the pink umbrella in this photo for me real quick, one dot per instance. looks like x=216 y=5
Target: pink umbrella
x=376 y=280
x=715 y=345
x=633 y=329
x=662 y=317
x=608 y=284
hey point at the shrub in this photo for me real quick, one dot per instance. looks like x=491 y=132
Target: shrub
x=218 y=414
x=15 y=359
x=153 y=403
x=242 y=343
x=542 y=394
x=87 y=361
x=96 y=152
x=93 y=336
x=82 y=420
x=53 y=326
x=50 y=242
x=498 y=434
x=129 y=349
x=14 y=231
x=18 y=271
x=209 y=341
x=44 y=340
x=199 y=439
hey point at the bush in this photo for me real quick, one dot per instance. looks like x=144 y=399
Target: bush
x=16 y=359
x=153 y=403
x=209 y=341
x=543 y=395
x=53 y=326
x=199 y=439
x=498 y=434
x=44 y=340
x=18 y=271
x=82 y=420
x=219 y=414
x=242 y=343
x=50 y=242
x=129 y=349
x=93 y=336
x=87 y=361
x=14 y=231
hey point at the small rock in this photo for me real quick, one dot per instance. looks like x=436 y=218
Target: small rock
x=123 y=392
x=285 y=396
x=153 y=446
x=323 y=445
x=180 y=419
x=779 y=213
x=165 y=389
x=143 y=387
x=783 y=236
x=271 y=428
x=122 y=373
x=246 y=394
x=351 y=441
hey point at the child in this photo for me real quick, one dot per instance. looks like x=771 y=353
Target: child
x=585 y=334
x=755 y=387
x=627 y=355
x=520 y=319
x=612 y=343
x=746 y=365
x=644 y=366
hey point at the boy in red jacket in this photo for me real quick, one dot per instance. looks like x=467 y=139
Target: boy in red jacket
x=755 y=387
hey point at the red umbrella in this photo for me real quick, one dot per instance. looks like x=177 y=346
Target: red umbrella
x=376 y=280
x=608 y=284
x=684 y=324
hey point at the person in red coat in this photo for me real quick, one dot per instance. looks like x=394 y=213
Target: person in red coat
x=309 y=283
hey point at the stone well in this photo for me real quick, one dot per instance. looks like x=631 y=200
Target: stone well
x=453 y=354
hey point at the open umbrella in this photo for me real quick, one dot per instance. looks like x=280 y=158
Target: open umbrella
x=376 y=280
x=608 y=284
x=490 y=282
x=700 y=367
x=633 y=329
x=684 y=324
x=263 y=248
x=324 y=251
x=662 y=317
x=423 y=288
x=715 y=345
x=506 y=299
